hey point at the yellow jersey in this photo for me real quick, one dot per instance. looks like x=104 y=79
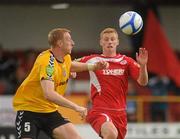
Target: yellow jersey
x=30 y=96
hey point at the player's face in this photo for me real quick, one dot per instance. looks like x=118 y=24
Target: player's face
x=109 y=41
x=68 y=43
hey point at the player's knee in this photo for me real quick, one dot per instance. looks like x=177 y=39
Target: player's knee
x=77 y=136
x=110 y=135
x=109 y=131
x=70 y=136
x=74 y=137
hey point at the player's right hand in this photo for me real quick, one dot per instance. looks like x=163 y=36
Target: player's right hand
x=101 y=65
x=82 y=111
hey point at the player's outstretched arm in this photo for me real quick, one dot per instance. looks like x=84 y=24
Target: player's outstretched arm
x=142 y=59
x=53 y=96
x=79 y=66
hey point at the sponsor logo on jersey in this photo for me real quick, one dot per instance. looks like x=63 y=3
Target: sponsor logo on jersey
x=113 y=71
x=63 y=83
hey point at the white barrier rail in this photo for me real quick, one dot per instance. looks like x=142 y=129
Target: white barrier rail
x=135 y=130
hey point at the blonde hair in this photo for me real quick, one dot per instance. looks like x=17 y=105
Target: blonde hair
x=55 y=35
x=108 y=30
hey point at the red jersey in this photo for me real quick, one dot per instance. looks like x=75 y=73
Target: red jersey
x=109 y=86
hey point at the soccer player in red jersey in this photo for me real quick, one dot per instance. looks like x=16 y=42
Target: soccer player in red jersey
x=109 y=86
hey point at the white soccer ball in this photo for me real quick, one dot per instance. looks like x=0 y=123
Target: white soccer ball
x=130 y=23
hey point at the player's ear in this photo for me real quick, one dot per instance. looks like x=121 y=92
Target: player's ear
x=59 y=43
x=118 y=42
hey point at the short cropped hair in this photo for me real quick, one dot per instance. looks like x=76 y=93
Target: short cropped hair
x=55 y=35
x=108 y=30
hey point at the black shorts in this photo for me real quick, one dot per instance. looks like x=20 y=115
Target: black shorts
x=29 y=124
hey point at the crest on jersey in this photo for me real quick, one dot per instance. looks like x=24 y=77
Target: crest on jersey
x=123 y=62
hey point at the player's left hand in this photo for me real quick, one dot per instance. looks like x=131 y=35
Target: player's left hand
x=82 y=111
x=101 y=65
x=142 y=56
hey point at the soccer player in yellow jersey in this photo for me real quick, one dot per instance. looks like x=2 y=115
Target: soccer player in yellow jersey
x=38 y=97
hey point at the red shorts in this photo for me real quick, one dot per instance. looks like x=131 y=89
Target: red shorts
x=119 y=118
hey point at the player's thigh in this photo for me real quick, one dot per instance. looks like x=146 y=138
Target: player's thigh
x=108 y=128
x=66 y=131
x=25 y=125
